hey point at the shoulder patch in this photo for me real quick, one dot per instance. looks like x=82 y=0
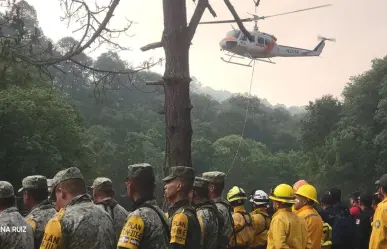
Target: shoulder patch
x=132 y=233
x=52 y=238
x=32 y=223
x=179 y=229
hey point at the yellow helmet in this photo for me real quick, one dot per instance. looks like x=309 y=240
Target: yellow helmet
x=308 y=191
x=283 y=193
x=236 y=193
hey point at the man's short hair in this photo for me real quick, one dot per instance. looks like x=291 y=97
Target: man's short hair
x=38 y=195
x=8 y=202
x=218 y=188
x=74 y=186
x=327 y=199
x=201 y=192
x=366 y=199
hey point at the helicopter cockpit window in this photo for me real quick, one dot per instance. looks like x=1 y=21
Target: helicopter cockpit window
x=267 y=42
x=234 y=33
x=261 y=40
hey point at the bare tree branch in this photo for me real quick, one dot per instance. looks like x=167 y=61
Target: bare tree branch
x=195 y=19
x=238 y=20
x=24 y=45
x=152 y=46
x=211 y=10
x=197 y=15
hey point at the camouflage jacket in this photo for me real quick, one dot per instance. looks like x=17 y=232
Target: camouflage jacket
x=116 y=211
x=145 y=228
x=184 y=226
x=38 y=219
x=16 y=232
x=225 y=210
x=209 y=221
x=80 y=225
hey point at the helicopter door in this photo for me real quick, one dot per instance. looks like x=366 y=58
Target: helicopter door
x=243 y=40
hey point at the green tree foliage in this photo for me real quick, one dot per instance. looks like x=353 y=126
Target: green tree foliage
x=40 y=133
x=321 y=119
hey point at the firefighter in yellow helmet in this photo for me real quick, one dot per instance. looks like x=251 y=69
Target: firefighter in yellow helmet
x=307 y=197
x=243 y=235
x=296 y=186
x=287 y=230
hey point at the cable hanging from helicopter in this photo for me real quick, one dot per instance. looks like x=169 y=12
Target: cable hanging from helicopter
x=260 y=46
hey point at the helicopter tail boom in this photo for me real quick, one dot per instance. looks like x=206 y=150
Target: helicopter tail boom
x=285 y=51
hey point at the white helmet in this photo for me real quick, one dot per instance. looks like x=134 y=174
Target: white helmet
x=259 y=197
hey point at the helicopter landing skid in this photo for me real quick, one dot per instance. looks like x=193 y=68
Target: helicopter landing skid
x=241 y=64
x=236 y=63
x=257 y=59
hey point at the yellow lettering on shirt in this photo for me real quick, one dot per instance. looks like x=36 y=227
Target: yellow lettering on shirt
x=132 y=233
x=32 y=223
x=179 y=228
x=52 y=238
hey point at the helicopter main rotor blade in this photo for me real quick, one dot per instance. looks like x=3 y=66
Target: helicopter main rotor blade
x=228 y=21
x=291 y=12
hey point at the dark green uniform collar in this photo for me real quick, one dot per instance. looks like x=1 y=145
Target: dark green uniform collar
x=137 y=204
x=79 y=199
x=177 y=206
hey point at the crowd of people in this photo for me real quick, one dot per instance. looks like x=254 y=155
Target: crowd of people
x=62 y=215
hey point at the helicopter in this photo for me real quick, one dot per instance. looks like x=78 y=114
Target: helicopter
x=263 y=46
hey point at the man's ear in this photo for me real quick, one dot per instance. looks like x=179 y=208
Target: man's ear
x=179 y=186
x=211 y=187
x=62 y=193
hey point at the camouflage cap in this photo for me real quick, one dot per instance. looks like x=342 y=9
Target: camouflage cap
x=102 y=183
x=141 y=170
x=35 y=182
x=214 y=176
x=66 y=174
x=201 y=182
x=187 y=173
x=6 y=190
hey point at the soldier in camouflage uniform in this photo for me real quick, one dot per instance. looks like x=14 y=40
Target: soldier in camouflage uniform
x=146 y=226
x=216 y=185
x=103 y=196
x=208 y=214
x=183 y=222
x=79 y=224
x=40 y=209
x=10 y=218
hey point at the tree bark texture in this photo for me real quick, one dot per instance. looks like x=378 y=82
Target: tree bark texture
x=177 y=105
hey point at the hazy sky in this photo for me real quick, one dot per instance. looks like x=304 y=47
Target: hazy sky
x=359 y=27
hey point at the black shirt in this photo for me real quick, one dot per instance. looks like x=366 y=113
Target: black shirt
x=364 y=228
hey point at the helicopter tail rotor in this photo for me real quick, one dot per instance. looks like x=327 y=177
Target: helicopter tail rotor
x=322 y=38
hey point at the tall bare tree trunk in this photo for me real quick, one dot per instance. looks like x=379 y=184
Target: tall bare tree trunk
x=177 y=105
x=176 y=41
